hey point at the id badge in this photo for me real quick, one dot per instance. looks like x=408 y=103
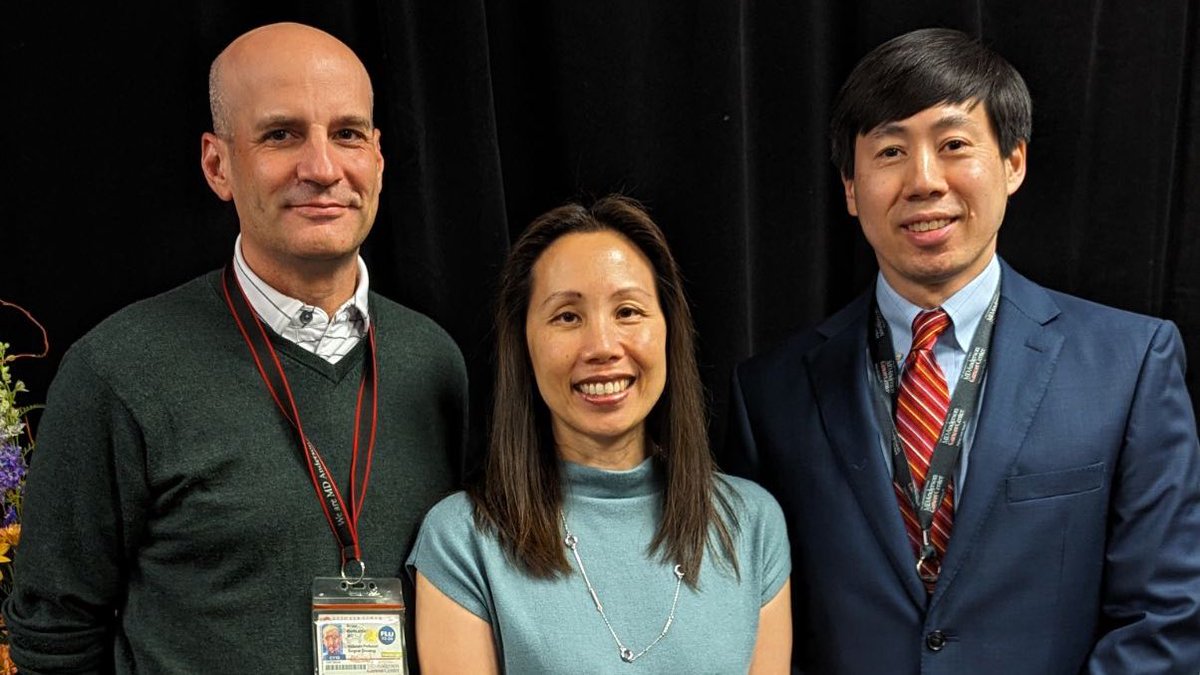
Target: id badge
x=358 y=627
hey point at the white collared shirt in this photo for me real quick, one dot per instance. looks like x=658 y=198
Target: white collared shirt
x=307 y=326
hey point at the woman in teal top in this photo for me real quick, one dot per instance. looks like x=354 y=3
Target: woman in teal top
x=601 y=539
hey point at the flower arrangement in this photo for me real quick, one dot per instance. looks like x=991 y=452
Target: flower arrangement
x=16 y=442
x=14 y=450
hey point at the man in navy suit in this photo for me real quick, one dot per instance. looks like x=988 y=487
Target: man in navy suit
x=1017 y=489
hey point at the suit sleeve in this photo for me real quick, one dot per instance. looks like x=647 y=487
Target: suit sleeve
x=1150 y=619
x=82 y=511
x=740 y=454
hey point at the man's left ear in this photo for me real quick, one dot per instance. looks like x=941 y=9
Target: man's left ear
x=379 y=149
x=1014 y=167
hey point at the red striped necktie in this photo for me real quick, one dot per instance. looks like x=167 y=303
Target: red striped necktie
x=921 y=406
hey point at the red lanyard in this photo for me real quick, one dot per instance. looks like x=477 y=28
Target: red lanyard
x=342 y=520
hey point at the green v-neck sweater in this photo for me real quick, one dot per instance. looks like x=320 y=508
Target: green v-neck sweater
x=170 y=523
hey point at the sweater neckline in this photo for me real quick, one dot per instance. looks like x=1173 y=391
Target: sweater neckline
x=335 y=372
x=595 y=483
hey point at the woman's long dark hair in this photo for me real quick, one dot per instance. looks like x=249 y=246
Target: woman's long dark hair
x=520 y=496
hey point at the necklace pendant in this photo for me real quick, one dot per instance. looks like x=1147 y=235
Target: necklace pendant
x=627 y=655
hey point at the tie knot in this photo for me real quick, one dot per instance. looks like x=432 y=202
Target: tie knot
x=927 y=327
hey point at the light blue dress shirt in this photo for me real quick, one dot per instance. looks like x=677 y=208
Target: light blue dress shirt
x=966 y=309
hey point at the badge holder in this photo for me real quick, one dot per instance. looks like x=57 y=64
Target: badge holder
x=929 y=566
x=358 y=624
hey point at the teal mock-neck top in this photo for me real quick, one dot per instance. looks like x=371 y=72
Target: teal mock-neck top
x=552 y=626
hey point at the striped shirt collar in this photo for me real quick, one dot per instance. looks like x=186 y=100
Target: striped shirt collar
x=306 y=325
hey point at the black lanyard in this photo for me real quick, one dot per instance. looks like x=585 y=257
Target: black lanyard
x=962 y=408
x=342 y=520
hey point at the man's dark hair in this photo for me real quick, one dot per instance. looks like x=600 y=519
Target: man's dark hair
x=922 y=69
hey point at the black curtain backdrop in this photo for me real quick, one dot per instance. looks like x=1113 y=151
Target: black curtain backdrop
x=712 y=113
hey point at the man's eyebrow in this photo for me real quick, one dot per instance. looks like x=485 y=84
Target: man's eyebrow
x=886 y=129
x=275 y=121
x=955 y=120
x=354 y=121
x=951 y=120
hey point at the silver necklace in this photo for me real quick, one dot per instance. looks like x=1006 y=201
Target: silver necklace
x=627 y=654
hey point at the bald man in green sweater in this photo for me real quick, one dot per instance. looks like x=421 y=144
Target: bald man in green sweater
x=205 y=454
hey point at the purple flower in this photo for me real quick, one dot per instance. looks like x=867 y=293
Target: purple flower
x=12 y=467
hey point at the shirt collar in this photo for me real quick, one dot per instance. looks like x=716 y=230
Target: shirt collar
x=282 y=312
x=965 y=308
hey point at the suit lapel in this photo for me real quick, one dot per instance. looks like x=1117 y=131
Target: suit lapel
x=1025 y=351
x=838 y=368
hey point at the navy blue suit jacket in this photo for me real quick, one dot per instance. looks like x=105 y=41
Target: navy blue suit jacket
x=1076 y=543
